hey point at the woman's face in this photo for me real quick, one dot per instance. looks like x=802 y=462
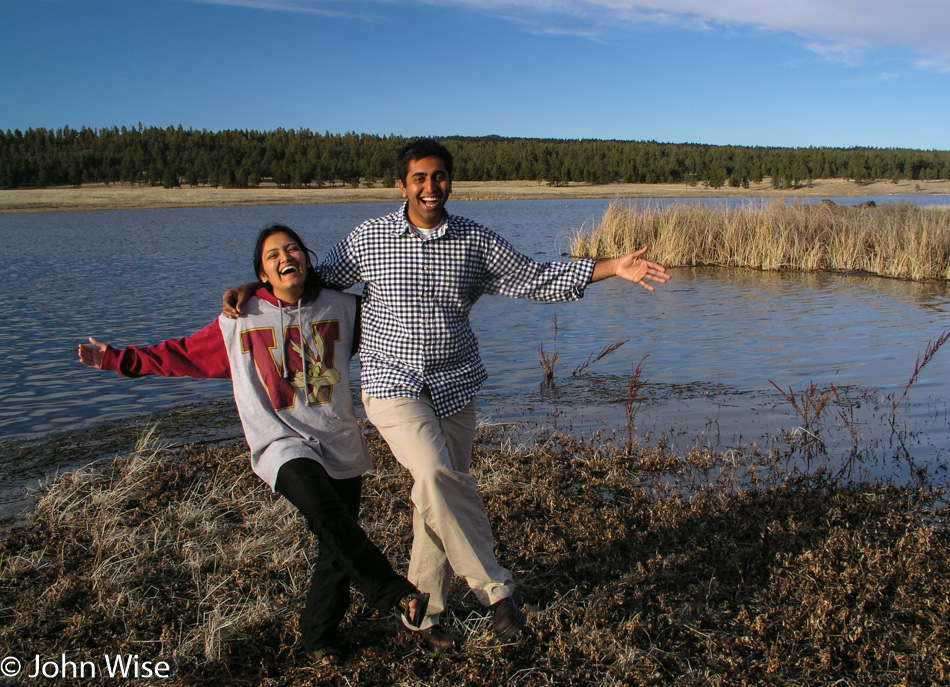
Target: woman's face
x=284 y=266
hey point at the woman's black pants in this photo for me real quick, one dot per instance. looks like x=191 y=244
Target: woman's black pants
x=331 y=509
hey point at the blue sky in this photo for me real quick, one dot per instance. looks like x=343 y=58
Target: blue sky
x=743 y=72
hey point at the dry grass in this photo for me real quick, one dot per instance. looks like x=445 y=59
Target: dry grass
x=902 y=241
x=170 y=555
x=125 y=197
x=639 y=567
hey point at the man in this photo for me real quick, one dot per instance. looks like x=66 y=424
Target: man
x=423 y=270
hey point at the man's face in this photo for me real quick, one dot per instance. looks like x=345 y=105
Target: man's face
x=427 y=187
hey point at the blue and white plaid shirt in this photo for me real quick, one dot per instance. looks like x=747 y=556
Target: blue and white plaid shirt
x=418 y=295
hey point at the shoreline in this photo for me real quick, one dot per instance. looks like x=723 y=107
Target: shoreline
x=104 y=197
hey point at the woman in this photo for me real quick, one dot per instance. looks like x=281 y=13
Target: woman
x=288 y=359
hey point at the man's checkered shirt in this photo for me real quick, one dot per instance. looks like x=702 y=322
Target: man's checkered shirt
x=418 y=295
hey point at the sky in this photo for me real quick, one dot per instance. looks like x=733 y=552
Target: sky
x=799 y=73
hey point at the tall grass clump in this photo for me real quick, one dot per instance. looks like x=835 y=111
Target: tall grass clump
x=899 y=241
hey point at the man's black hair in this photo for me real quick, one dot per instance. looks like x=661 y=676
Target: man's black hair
x=418 y=149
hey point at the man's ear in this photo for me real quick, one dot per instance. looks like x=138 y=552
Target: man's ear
x=402 y=188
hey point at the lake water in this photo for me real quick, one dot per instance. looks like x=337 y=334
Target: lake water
x=715 y=340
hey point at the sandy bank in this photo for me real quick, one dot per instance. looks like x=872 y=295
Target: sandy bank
x=123 y=197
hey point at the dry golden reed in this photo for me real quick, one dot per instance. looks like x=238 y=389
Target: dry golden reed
x=900 y=241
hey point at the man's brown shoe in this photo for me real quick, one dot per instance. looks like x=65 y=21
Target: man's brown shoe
x=507 y=617
x=437 y=638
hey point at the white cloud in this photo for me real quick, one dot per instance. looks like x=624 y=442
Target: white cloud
x=325 y=8
x=842 y=30
x=937 y=65
x=838 y=30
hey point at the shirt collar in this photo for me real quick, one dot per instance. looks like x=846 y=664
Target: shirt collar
x=403 y=227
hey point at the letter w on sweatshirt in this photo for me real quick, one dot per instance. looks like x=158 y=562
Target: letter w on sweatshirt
x=281 y=377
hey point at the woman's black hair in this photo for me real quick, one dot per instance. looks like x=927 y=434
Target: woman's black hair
x=312 y=284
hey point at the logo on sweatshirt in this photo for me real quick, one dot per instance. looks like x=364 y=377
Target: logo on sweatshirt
x=302 y=366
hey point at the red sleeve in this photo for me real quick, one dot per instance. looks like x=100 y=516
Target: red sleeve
x=202 y=355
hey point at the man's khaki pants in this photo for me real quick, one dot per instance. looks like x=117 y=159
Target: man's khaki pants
x=451 y=531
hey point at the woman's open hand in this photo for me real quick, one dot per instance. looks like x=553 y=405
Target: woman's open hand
x=92 y=355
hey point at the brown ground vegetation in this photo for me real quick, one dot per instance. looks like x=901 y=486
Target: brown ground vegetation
x=125 y=197
x=638 y=567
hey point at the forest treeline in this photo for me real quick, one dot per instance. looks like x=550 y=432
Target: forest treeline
x=174 y=157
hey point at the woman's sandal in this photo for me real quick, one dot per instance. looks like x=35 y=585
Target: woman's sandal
x=329 y=656
x=414 y=616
